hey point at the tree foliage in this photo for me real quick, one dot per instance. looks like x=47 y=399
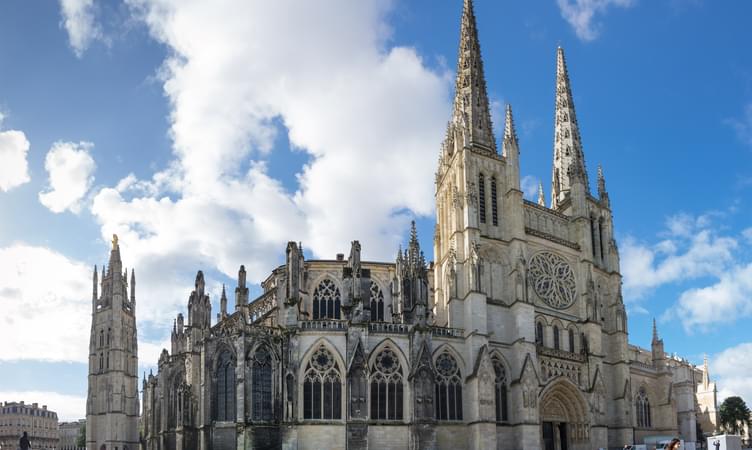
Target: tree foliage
x=733 y=414
x=81 y=439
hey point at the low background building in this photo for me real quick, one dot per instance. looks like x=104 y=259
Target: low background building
x=69 y=433
x=39 y=423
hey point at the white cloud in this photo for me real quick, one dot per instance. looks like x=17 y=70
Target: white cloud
x=725 y=301
x=14 y=170
x=743 y=125
x=80 y=24
x=690 y=250
x=370 y=116
x=732 y=370
x=43 y=290
x=70 y=168
x=529 y=185
x=68 y=407
x=581 y=14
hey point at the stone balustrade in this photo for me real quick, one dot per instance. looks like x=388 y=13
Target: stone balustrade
x=387 y=327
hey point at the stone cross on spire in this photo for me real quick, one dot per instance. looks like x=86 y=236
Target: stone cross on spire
x=471 y=116
x=569 y=159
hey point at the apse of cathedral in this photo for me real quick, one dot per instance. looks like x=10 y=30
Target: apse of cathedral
x=514 y=337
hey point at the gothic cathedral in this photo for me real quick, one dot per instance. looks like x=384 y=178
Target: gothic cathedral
x=514 y=337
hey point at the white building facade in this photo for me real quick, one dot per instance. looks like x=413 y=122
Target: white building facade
x=514 y=337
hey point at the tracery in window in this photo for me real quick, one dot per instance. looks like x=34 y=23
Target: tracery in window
x=261 y=385
x=225 y=375
x=386 y=387
x=494 y=205
x=326 y=301
x=448 y=388
x=322 y=388
x=482 y=197
x=642 y=409
x=502 y=414
x=377 y=303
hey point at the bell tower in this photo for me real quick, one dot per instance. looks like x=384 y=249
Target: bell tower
x=112 y=405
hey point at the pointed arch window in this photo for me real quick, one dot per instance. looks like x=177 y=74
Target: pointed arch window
x=377 y=303
x=225 y=398
x=261 y=385
x=322 y=388
x=494 y=204
x=502 y=412
x=571 y=340
x=101 y=338
x=387 y=391
x=109 y=336
x=482 y=197
x=642 y=409
x=539 y=333
x=448 y=388
x=326 y=301
x=557 y=344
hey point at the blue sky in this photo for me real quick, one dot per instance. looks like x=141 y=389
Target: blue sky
x=209 y=135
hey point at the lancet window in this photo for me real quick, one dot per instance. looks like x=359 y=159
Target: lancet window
x=494 y=204
x=448 y=388
x=557 y=344
x=386 y=387
x=571 y=340
x=642 y=409
x=539 y=333
x=482 y=197
x=502 y=412
x=225 y=398
x=377 y=303
x=261 y=385
x=326 y=301
x=322 y=388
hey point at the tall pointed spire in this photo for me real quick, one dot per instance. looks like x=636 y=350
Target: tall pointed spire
x=541 y=197
x=569 y=159
x=705 y=372
x=655 y=331
x=133 y=286
x=94 y=285
x=471 y=115
x=509 y=142
x=602 y=193
x=223 y=303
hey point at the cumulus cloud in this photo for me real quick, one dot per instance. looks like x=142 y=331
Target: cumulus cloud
x=14 y=170
x=690 y=250
x=80 y=24
x=70 y=168
x=371 y=117
x=728 y=299
x=732 y=370
x=581 y=14
x=41 y=289
x=68 y=407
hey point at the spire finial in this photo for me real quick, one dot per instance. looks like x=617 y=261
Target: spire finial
x=655 y=331
x=602 y=193
x=115 y=242
x=569 y=158
x=471 y=114
x=509 y=140
x=541 y=198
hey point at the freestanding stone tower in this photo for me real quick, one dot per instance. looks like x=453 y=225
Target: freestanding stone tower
x=112 y=407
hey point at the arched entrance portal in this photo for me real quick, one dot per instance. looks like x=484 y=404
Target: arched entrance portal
x=564 y=417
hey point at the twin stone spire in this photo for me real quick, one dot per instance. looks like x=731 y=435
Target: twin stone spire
x=471 y=125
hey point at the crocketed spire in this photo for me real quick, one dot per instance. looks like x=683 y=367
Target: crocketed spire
x=569 y=159
x=471 y=118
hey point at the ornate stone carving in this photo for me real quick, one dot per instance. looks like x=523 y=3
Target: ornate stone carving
x=552 y=279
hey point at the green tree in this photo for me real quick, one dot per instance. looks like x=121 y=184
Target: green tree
x=81 y=439
x=733 y=413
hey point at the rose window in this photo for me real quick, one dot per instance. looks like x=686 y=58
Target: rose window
x=552 y=279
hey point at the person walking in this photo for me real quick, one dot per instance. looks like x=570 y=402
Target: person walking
x=675 y=444
x=24 y=442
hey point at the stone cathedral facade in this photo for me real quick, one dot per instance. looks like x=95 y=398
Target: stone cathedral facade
x=514 y=337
